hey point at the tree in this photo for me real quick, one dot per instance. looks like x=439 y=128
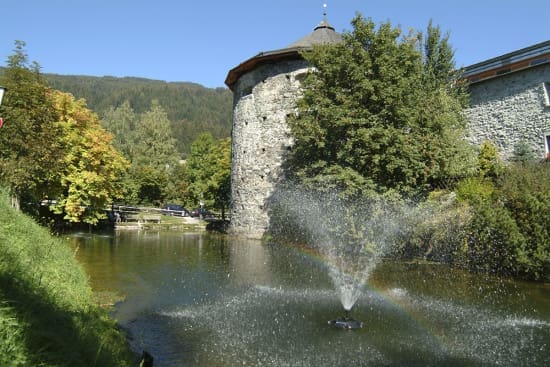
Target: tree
x=30 y=159
x=154 y=157
x=379 y=114
x=146 y=184
x=438 y=59
x=207 y=172
x=53 y=146
x=221 y=180
x=191 y=108
x=121 y=123
x=523 y=153
x=92 y=168
x=154 y=142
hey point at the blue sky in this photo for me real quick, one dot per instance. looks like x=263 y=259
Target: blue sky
x=201 y=40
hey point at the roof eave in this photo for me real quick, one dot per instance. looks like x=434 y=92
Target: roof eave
x=510 y=58
x=262 y=58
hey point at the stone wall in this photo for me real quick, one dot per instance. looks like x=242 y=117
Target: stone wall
x=510 y=109
x=263 y=100
x=506 y=110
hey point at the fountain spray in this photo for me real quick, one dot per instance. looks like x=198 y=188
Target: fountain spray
x=352 y=235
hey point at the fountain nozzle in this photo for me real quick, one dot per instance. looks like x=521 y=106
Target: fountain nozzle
x=346 y=322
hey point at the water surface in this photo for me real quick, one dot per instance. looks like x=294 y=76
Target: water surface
x=204 y=300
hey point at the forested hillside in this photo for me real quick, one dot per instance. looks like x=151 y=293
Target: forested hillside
x=191 y=108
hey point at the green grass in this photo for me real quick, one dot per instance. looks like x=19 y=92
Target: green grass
x=48 y=316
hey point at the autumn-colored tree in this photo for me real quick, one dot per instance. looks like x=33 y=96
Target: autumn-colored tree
x=53 y=147
x=92 y=168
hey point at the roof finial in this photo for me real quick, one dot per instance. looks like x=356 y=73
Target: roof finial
x=325 y=11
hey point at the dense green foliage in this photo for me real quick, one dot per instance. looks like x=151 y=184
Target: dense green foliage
x=53 y=147
x=121 y=122
x=509 y=232
x=191 y=108
x=206 y=175
x=154 y=156
x=48 y=315
x=381 y=112
x=29 y=150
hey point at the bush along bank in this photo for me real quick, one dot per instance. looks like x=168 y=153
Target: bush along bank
x=48 y=315
x=510 y=229
x=495 y=223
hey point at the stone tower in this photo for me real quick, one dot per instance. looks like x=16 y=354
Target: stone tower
x=265 y=88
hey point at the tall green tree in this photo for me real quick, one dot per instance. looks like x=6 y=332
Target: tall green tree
x=221 y=180
x=438 y=58
x=380 y=113
x=154 y=142
x=30 y=158
x=207 y=172
x=120 y=122
x=199 y=170
x=154 y=157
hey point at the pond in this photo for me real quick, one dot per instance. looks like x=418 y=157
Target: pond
x=195 y=299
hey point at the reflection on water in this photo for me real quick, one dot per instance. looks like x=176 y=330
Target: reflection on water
x=202 y=300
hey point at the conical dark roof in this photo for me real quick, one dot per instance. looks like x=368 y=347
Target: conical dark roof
x=323 y=33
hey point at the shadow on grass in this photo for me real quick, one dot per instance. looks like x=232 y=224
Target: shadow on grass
x=55 y=336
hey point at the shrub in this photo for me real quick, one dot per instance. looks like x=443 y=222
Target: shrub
x=525 y=191
x=495 y=243
x=510 y=228
x=489 y=162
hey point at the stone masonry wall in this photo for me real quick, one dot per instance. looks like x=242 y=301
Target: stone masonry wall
x=510 y=109
x=263 y=99
x=506 y=110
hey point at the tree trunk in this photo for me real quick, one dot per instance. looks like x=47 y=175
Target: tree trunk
x=16 y=202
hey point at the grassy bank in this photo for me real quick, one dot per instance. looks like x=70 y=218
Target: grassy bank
x=48 y=316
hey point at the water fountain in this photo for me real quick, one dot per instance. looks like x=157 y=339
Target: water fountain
x=208 y=300
x=352 y=236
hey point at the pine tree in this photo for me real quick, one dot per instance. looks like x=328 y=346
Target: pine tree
x=154 y=158
x=121 y=123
